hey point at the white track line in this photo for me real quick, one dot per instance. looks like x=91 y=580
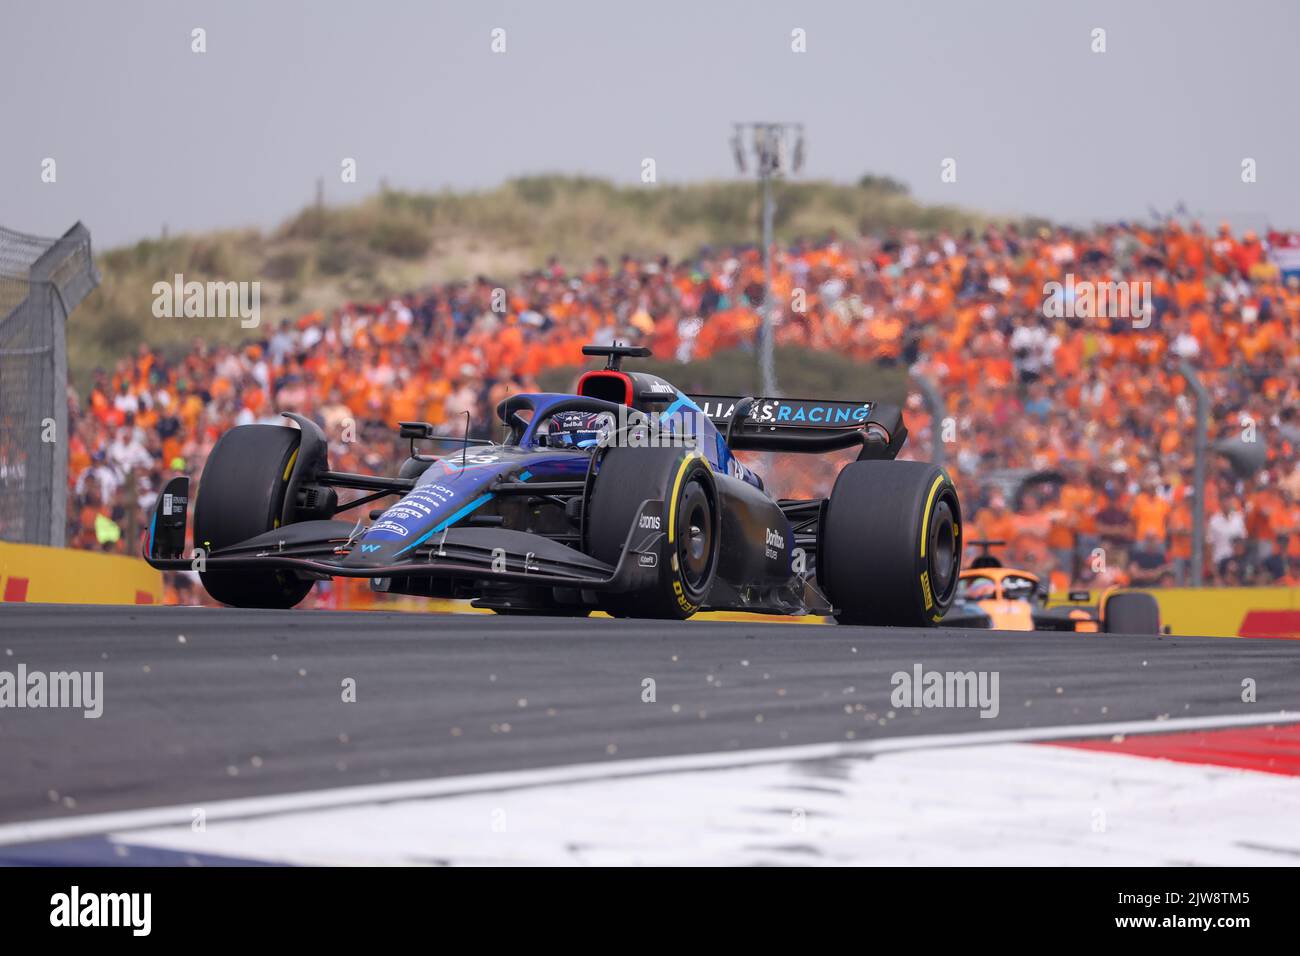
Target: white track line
x=245 y=807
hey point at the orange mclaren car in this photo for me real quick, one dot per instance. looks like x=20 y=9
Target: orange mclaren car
x=1009 y=599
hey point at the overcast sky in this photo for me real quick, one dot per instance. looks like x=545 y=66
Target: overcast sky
x=145 y=132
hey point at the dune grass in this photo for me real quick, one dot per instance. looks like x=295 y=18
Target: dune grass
x=398 y=241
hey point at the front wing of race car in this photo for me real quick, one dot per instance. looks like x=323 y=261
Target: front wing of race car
x=319 y=549
x=1016 y=615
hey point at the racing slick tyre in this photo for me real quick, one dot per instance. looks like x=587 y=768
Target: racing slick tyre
x=1130 y=612
x=889 y=551
x=687 y=550
x=242 y=495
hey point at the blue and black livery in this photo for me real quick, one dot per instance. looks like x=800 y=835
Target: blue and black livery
x=626 y=496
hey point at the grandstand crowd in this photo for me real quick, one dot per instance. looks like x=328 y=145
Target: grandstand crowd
x=1070 y=435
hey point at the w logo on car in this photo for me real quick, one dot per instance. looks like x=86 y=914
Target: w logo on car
x=367 y=548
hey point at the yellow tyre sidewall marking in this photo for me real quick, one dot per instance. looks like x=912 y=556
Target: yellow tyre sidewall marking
x=288 y=468
x=927 y=594
x=925 y=517
x=672 y=501
x=678 y=591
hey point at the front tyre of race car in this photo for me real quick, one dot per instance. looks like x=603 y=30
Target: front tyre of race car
x=686 y=556
x=1130 y=612
x=242 y=495
x=889 y=550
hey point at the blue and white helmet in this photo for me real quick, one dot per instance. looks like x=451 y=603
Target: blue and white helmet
x=578 y=429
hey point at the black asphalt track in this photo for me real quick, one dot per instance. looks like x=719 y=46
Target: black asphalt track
x=204 y=704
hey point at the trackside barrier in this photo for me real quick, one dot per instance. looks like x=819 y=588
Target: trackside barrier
x=1231 y=612
x=68 y=576
x=1225 y=612
x=35 y=573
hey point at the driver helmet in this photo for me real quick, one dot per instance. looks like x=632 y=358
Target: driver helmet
x=577 y=429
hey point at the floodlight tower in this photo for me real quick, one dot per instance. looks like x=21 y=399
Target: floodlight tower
x=770 y=144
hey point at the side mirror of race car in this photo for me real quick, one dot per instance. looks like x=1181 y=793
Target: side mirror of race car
x=415 y=430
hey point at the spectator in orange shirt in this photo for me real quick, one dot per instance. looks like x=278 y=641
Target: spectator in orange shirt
x=1150 y=513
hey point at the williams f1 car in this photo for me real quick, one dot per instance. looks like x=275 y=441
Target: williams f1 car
x=625 y=497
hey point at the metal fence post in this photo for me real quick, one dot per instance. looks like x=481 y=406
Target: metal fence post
x=1198 y=474
x=41 y=281
x=938 y=415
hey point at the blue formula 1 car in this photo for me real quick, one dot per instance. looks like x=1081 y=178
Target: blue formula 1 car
x=625 y=497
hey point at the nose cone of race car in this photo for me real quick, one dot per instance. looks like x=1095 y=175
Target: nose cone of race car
x=373 y=554
x=1008 y=615
x=446 y=494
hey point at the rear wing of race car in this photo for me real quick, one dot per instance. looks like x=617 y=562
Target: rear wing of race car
x=806 y=425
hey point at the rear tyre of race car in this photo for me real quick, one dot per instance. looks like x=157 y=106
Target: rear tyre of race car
x=888 y=547
x=242 y=495
x=1130 y=612
x=687 y=550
